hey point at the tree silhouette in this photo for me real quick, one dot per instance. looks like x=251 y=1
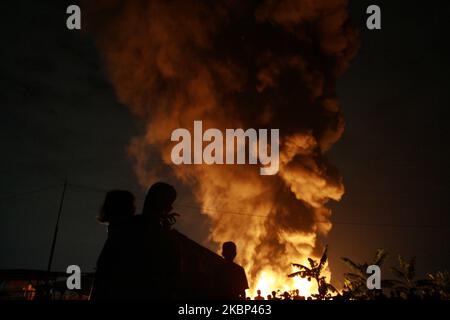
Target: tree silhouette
x=355 y=282
x=406 y=285
x=439 y=285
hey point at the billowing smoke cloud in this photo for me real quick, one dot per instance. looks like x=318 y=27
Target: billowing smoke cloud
x=237 y=64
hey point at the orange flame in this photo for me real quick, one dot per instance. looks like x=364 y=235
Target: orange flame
x=174 y=62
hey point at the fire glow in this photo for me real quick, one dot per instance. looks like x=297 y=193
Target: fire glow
x=269 y=281
x=174 y=62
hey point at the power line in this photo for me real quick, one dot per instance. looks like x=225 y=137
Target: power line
x=332 y=222
x=220 y=211
x=95 y=189
x=387 y=225
x=20 y=194
x=231 y=212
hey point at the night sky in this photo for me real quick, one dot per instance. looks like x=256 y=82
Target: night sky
x=60 y=118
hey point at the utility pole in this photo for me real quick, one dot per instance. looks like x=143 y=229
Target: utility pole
x=55 y=233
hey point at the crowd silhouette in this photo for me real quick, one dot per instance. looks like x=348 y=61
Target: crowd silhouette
x=142 y=256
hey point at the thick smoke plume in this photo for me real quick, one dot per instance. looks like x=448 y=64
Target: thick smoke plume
x=237 y=64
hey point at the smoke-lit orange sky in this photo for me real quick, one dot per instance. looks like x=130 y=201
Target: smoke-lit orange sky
x=72 y=102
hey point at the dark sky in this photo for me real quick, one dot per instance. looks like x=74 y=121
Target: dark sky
x=60 y=118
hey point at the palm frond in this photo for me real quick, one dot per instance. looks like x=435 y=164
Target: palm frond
x=411 y=268
x=388 y=283
x=312 y=263
x=324 y=258
x=354 y=277
x=353 y=265
x=423 y=283
x=300 y=266
x=398 y=273
x=380 y=256
x=296 y=274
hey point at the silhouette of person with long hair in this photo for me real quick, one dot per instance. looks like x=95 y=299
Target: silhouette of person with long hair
x=110 y=278
x=157 y=255
x=232 y=278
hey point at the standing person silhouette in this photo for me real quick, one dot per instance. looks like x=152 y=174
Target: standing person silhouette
x=110 y=281
x=274 y=296
x=259 y=296
x=156 y=255
x=233 y=281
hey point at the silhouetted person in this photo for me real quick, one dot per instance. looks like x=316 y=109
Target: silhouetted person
x=232 y=281
x=286 y=296
x=117 y=208
x=296 y=295
x=259 y=296
x=110 y=281
x=274 y=295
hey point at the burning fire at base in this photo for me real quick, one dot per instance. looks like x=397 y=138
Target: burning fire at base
x=269 y=281
x=238 y=64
